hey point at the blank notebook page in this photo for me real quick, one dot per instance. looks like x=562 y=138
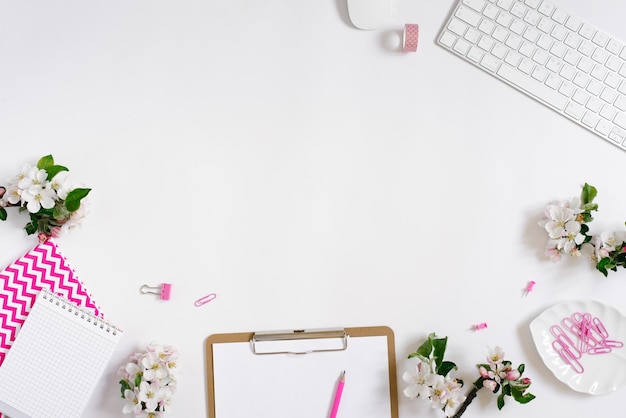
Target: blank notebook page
x=56 y=360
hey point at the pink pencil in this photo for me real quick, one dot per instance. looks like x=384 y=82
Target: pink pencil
x=342 y=381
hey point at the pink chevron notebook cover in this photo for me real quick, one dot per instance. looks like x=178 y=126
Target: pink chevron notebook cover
x=20 y=282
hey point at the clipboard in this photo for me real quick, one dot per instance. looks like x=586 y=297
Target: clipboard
x=282 y=374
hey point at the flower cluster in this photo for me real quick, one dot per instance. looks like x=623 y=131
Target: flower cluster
x=566 y=223
x=149 y=381
x=48 y=194
x=430 y=380
x=499 y=375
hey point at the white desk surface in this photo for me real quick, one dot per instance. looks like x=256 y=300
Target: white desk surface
x=309 y=173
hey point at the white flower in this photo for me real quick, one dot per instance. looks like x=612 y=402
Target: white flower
x=20 y=175
x=13 y=195
x=133 y=404
x=418 y=381
x=62 y=184
x=154 y=368
x=495 y=356
x=38 y=197
x=150 y=394
x=455 y=397
x=438 y=392
x=558 y=217
x=34 y=177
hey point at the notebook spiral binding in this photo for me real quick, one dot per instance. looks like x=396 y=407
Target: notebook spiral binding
x=77 y=310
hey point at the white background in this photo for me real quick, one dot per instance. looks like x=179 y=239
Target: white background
x=309 y=173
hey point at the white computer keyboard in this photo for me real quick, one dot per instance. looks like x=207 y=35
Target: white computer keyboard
x=545 y=52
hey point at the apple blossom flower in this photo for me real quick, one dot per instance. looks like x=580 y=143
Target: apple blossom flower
x=418 y=381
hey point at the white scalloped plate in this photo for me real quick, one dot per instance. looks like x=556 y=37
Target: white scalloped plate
x=603 y=373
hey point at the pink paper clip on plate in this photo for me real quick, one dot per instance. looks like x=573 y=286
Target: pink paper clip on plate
x=205 y=299
x=164 y=291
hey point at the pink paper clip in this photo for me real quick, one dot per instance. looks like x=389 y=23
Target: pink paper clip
x=164 y=291
x=568 y=356
x=529 y=287
x=480 y=326
x=205 y=299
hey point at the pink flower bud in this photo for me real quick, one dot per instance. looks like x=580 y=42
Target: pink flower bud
x=490 y=384
x=483 y=372
x=513 y=374
x=526 y=381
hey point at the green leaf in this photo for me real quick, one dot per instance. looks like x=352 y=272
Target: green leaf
x=138 y=379
x=45 y=162
x=445 y=367
x=588 y=194
x=54 y=170
x=522 y=397
x=439 y=349
x=501 y=401
x=31 y=227
x=521 y=368
x=72 y=202
x=3 y=214
x=427 y=347
x=124 y=386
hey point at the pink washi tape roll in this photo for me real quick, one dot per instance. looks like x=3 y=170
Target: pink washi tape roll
x=411 y=34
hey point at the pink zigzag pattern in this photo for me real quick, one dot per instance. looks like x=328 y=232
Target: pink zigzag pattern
x=44 y=267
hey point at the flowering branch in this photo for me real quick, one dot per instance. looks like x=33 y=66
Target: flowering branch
x=46 y=192
x=149 y=381
x=566 y=223
x=430 y=379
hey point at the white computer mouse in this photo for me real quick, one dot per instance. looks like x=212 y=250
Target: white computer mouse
x=370 y=14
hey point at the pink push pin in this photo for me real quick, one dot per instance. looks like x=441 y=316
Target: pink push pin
x=480 y=326
x=529 y=287
x=164 y=291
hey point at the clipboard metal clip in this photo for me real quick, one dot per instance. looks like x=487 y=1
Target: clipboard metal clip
x=299 y=341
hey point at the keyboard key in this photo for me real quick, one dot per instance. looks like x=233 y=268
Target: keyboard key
x=531 y=86
x=546 y=8
x=585 y=65
x=468 y=16
x=500 y=34
x=472 y=35
x=505 y=4
x=613 y=63
x=532 y=17
x=614 y=46
x=447 y=39
x=566 y=89
x=491 y=11
x=567 y=72
x=586 y=31
x=526 y=67
x=462 y=46
x=573 y=23
x=531 y=34
x=590 y=119
x=559 y=16
x=620 y=120
x=545 y=25
x=504 y=19
x=553 y=81
x=457 y=27
x=486 y=26
x=499 y=51
x=475 y=54
x=580 y=97
x=571 y=57
x=574 y=110
x=608 y=112
x=604 y=127
x=617 y=135
x=620 y=103
x=486 y=43
x=612 y=80
x=600 y=39
x=581 y=80
x=594 y=104
x=527 y=50
x=532 y=3
x=586 y=48
x=540 y=74
x=608 y=95
x=594 y=87
x=490 y=62
x=512 y=58
x=572 y=40
x=559 y=33
x=598 y=72
x=475 y=4
x=599 y=55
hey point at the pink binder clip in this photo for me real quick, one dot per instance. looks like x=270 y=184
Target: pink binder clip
x=164 y=291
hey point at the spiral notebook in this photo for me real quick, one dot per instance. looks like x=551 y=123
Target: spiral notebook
x=56 y=361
